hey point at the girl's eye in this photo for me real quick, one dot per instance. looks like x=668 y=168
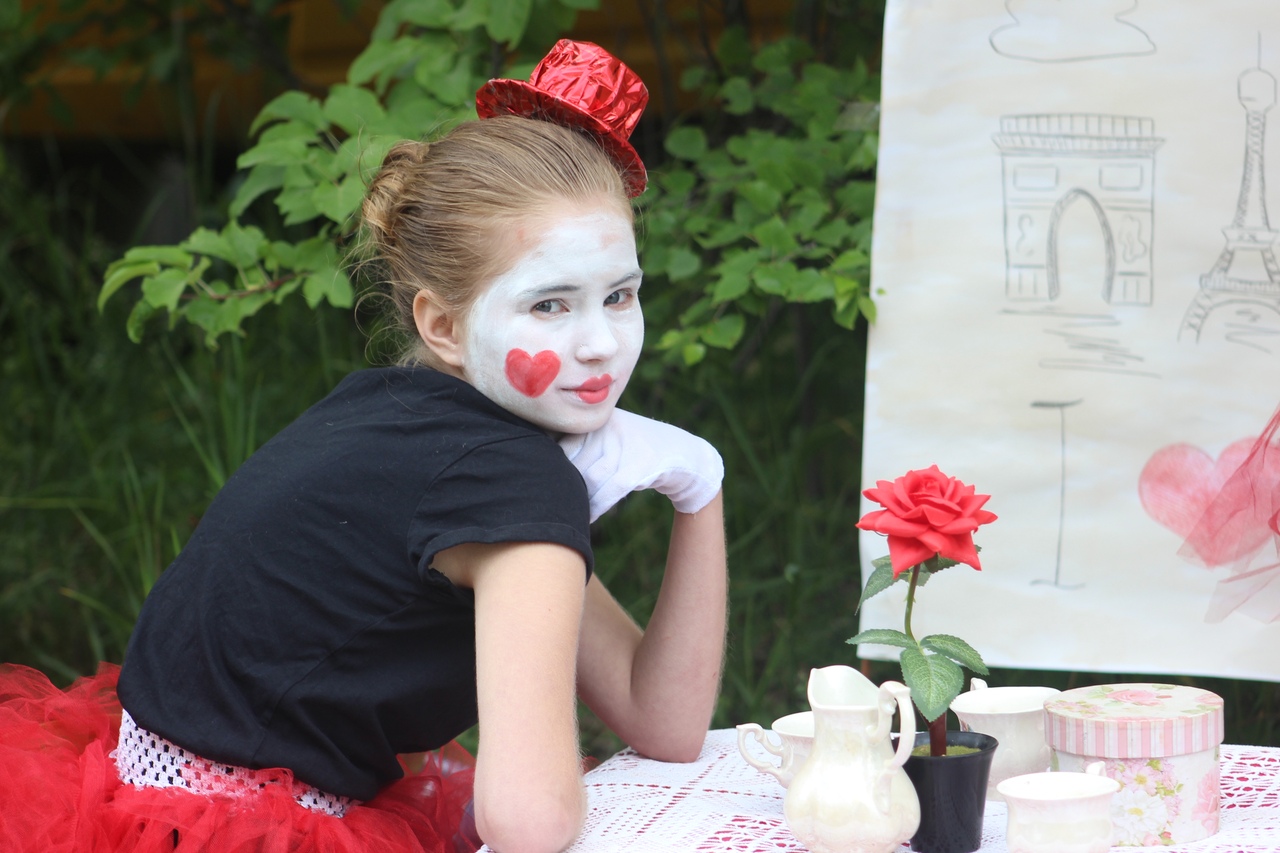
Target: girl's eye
x=548 y=306
x=620 y=297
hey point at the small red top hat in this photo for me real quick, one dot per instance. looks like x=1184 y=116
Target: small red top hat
x=579 y=84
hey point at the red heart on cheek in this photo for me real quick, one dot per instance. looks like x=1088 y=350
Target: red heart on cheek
x=532 y=374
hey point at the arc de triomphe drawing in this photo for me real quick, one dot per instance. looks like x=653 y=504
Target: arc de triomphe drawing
x=1051 y=161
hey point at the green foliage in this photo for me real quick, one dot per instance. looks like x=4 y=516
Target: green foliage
x=930 y=667
x=774 y=207
x=882 y=576
x=314 y=157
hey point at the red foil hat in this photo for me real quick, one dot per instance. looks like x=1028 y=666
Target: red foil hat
x=579 y=84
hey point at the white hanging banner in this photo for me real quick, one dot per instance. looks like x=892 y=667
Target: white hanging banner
x=1079 y=314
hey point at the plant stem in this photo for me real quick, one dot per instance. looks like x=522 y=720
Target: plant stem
x=938 y=735
x=938 y=727
x=911 y=601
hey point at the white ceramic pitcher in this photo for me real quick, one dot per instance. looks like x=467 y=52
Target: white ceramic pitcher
x=852 y=795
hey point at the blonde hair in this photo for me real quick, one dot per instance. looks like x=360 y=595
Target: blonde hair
x=436 y=214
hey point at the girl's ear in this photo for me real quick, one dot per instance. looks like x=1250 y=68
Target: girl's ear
x=439 y=328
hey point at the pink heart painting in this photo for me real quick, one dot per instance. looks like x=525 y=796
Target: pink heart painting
x=532 y=374
x=1177 y=485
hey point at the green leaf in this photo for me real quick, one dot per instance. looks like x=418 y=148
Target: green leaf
x=171 y=256
x=165 y=289
x=882 y=637
x=833 y=233
x=278 y=152
x=810 y=285
x=121 y=273
x=687 y=143
x=867 y=307
x=775 y=176
x=352 y=108
x=853 y=259
x=338 y=201
x=245 y=244
x=935 y=681
x=773 y=235
x=724 y=234
x=203 y=241
x=762 y=195
x=297 y=205
x=738 y=98
x=455 y=87
x=422 y=13
x=730 y=287
x=142 y=311
x=956 y=649
x=857 y=198
x=293 y=106
x=881 y=579
x=472 y=14
x=382 y=58
x=682 y=263
x=725 y=332
x=693 y=353
x=261 y=178
x=677 y=182
x=508 y=19
x=328 y=283
x=774 y=279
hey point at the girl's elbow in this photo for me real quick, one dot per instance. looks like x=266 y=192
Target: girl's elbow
x=535 y=828
x=675 y=748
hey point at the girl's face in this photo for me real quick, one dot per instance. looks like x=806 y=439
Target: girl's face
x=555 y=338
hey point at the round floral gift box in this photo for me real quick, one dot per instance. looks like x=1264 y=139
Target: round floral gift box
x=1159 y=741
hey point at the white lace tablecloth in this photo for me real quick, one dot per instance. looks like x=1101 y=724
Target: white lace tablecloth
x=719 y=804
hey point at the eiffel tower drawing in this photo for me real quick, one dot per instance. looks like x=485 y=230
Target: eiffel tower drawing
x=1246 y=271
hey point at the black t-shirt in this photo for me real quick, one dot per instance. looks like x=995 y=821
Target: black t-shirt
x=303 y=626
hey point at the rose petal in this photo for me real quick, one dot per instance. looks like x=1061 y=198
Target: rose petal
x=905 y=553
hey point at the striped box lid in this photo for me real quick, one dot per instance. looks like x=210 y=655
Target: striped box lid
x=1134 y=720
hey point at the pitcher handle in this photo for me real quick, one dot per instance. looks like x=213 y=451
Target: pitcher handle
x=900 y=695
x=894 y=695
x=781 y=750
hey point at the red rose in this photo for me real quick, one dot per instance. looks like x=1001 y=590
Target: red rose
x=927 y=513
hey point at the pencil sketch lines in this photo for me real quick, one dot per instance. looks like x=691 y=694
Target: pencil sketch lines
x=1057 y=31
x=1050 y=161
x=1245 y=275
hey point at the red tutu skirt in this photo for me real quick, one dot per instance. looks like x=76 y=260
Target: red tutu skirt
x=59 y=792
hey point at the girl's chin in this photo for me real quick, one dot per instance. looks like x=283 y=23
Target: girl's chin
x=576 y=424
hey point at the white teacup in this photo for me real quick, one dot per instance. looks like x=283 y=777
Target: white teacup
x=1060 y=812
x=795 y=739
x=1015 y=717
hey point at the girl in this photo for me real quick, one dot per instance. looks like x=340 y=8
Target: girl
x=412 y=556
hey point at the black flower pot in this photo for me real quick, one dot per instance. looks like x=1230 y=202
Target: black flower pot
x=953 y=793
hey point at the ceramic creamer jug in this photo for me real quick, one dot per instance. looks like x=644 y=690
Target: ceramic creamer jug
x=852 y=795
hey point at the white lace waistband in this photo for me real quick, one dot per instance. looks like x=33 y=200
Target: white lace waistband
x=147 y=760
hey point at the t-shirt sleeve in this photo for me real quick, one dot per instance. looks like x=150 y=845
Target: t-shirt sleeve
x=511 y=490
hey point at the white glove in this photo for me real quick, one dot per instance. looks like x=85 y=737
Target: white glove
x=630 y=453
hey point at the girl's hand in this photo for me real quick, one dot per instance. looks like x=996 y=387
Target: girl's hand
x=630 y=453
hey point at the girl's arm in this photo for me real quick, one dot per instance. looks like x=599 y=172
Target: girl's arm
x=657 y=688
x=529 y=601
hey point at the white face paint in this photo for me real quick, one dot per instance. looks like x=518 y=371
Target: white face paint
x=555 y=338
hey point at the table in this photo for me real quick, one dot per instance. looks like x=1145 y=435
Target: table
x=719 y=804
